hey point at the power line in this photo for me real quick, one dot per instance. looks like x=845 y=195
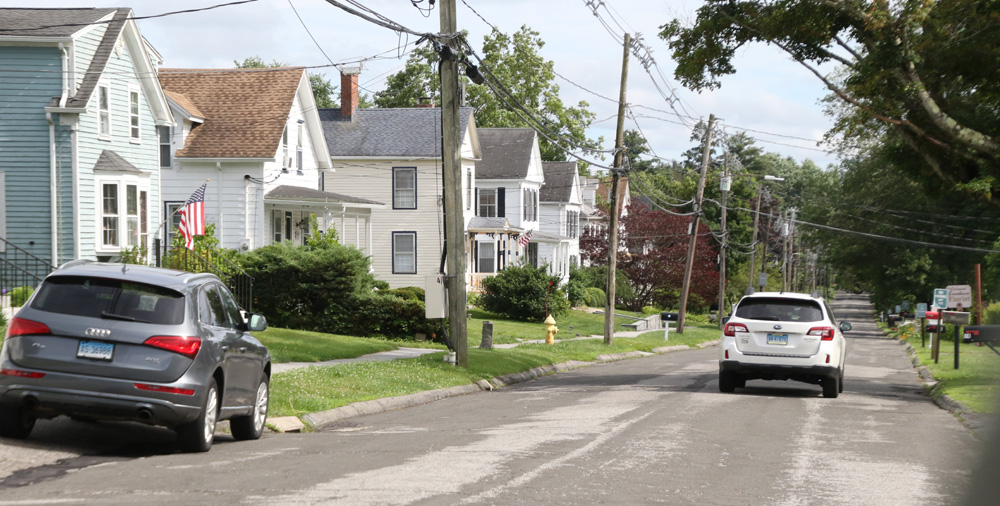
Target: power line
x=130 y=18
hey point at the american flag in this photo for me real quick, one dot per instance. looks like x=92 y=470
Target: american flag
x=525 y=238
x=193 y=217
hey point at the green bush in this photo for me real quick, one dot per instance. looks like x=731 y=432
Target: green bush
x=408 y=293
x=991 y=315
x=19 y=295
x=650 y=310
x=596 y=297
x=520 y=294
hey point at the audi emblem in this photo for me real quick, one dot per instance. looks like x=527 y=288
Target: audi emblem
x=777 y=327
x=96 y=332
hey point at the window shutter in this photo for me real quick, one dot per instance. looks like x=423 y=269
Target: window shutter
x=501 y=202
x=476 y=209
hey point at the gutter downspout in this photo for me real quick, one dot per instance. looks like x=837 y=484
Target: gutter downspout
x=221 y=232
x=65 y=75
x=53 y=222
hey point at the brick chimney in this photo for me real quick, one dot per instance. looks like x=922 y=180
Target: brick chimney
x=349 y=91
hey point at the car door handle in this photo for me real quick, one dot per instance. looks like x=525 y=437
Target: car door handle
x=225 y=348
x=243 y=349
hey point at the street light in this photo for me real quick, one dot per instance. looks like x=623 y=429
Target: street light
x=756 y=217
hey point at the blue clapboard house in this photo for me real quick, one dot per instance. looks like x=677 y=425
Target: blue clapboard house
x=81 y=118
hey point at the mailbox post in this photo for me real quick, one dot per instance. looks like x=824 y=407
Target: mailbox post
x=666 y=318
x=956 y=318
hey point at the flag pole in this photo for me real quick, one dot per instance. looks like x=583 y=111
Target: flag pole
x=156 y=235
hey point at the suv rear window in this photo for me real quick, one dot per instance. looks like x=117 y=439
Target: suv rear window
x=779 y=309
x=110 y=298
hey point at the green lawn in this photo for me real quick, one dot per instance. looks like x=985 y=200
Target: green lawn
x=510 y=331
x=303 y=346
x=977 y=380
x=313 y=389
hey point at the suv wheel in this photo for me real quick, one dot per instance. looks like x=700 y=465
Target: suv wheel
x=727 y=382
x=252 y=426
x=14 y=423
x=197 y=436
x=831 y=387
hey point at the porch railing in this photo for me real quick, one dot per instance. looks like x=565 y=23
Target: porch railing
x=476 y=281
x=20 y=273
x=238 y=281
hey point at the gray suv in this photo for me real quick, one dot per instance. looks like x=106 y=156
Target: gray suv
x=101 y=341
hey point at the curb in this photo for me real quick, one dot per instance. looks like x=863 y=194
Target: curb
x=323 y=418
x=972 y=420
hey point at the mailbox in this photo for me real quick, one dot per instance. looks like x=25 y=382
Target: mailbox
x=935 y=329
x=982 y=334
x=931 y=315
x=668 y=317
x=956 y=317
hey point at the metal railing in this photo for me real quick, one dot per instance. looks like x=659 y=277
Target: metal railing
x=238 y=281
x=20 y=273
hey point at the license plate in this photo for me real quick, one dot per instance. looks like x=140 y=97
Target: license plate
x=777 y=339
x=95 y=349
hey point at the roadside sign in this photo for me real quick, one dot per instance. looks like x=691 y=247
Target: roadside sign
x=940 y=298
x=898 y=308
x=906 y=304
x=959 y=295
x=921 y=310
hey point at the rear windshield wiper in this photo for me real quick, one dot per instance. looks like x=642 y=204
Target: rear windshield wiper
x=113 y=316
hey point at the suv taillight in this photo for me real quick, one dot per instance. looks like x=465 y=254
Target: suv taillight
x=184 y=345
x=732 y=328
x=22 y=327
x=825 y=333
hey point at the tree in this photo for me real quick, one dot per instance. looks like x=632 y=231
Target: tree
x=511 y=64
x=923 y=75
x=323 y=90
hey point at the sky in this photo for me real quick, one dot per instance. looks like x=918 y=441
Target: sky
x=772 y=98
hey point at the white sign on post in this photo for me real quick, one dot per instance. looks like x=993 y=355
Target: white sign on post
x=960 y=296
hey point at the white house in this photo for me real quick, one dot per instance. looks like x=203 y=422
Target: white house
x=508 y=179
x=560 y=207
x=256 y=136
x=394 y=156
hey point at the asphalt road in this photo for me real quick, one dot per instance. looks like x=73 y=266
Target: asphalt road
x=643 y=431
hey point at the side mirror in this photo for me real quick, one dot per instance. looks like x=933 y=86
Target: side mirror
x=845 y=326
x=257 y=322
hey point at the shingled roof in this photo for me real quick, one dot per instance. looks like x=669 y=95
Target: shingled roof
x=297 y=193
x=387 y=132
x=26 y=22
x=506 y=153
x=559 y=177
x=245 y=110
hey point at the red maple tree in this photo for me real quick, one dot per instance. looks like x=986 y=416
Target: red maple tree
x=653 y=247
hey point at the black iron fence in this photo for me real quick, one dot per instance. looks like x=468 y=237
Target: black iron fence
x=238 y=281
x=20 y=273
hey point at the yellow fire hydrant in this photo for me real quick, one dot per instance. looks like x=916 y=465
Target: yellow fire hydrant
x=550 y=329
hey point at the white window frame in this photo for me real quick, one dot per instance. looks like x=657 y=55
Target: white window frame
x=468 y=190
x=398 y=192
x=173 y=220
x=298 y=148
x=285 y=161
x=122 y=215
x=160 y=132
x=489 y=260
x=398 y=255
x=483 y=207
x=134 y=114
x=104 y=111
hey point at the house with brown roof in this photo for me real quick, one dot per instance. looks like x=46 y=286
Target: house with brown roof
x=394 y=156
x=256 y=136
x=559 y=214
x=79 y=159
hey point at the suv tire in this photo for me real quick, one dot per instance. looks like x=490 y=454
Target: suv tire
x=831 y=387
x=252 y=426
x=14 y=423
x=197 y=436
x=727 y=382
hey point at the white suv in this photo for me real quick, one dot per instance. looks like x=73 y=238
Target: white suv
x=783 y=336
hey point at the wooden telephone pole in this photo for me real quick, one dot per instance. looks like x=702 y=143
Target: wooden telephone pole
x=609 y=306
x=686 y=287
x=454 y=228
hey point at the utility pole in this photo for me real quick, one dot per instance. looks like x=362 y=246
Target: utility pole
x=454 y=229
x=722 y=252
x=609 y=305
x=753 y=243
x=686 y=287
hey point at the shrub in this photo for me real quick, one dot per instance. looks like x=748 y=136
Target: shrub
x=596 y=297
x=991 y=315
x=650 y=310
x=408 y=293
x=19 y=295
x=387 y=315
x=520 y=293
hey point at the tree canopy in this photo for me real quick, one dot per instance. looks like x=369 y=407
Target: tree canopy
x=511 y=63
x=323 y=89
x=923 y=76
